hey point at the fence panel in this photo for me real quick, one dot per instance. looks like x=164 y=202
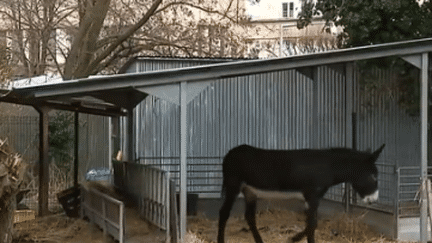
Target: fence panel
x=105 y=211
x=408 y=191
x=149 y=188
x=22 y=133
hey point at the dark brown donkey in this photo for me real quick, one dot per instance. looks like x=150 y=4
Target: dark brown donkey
x=308 y=171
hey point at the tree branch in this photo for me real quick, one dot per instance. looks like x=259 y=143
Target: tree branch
x=124 y=36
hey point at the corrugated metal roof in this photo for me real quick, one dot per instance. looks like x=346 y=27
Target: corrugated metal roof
x=204 y=60
x=116 y=88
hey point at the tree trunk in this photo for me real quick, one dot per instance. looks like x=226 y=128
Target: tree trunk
x=83 y=47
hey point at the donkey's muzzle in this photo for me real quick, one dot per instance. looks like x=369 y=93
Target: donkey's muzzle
x=371 y=198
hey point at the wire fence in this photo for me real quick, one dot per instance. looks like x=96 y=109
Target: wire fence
x=22 y=134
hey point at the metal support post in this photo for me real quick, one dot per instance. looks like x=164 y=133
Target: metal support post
x=349 y=82
x=183 y=158
x=424 y=145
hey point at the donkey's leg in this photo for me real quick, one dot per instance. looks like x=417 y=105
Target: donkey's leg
x=231 y=191
x=311 y=223
x=251 y=200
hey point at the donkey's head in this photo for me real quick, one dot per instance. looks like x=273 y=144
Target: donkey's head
x=365 y=180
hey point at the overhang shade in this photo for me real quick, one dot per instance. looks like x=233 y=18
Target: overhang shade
x=122 y=92
x=97 y=102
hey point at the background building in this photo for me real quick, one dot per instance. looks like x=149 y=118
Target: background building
x=274 y=31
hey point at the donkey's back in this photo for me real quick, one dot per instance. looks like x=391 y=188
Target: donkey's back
x=285 y=169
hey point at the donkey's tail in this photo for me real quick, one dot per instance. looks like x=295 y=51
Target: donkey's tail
x=223 y=191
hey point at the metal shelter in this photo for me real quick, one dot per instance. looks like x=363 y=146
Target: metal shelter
x=117 y=95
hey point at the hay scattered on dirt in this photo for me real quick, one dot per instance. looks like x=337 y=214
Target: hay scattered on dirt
x=279 y=225
x=274 y=225
x=57 y=228
x=192 y=238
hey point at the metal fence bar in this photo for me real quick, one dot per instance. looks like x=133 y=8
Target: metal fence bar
x=199 y=181
x=408 y=191
x=104 y=211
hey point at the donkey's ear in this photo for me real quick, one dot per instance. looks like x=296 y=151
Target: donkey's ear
x=378 y=152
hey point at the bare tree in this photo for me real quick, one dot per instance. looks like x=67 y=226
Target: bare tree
x=5 y=66
x=98 y=35
x=30 y=26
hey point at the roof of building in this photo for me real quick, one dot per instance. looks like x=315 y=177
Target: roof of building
x=114 y=94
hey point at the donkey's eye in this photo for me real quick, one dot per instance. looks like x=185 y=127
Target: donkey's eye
x=373 y=178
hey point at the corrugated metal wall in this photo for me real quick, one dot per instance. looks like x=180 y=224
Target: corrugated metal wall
x=272 y=110
x=382 y=120
x=93 y=143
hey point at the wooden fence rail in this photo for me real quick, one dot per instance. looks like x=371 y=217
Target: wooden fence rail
x=105 y=211
x=152 y=190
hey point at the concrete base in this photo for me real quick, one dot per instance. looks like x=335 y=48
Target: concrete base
x=383 y=222
x=409 y=229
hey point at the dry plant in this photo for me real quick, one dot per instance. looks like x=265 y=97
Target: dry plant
x=6 y=69
x=351 y=228
x=12 y=170
x=192 y=238
x=59 y=181
x=277 y=225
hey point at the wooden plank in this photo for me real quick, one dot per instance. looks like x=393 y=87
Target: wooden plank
x=98 y=214
x=44 y=160
x=174 y=224
x=429 y=200
x=76 y=144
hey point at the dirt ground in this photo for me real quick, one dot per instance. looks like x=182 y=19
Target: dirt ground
x=274 y=226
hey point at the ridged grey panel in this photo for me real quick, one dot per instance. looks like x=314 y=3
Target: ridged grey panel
x=275 y=110
x=93 y=141
x=271 y=110
x=382 y=120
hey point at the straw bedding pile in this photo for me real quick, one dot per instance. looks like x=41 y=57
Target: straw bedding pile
x=55 y=228
x=279 y=225
x=274 y=226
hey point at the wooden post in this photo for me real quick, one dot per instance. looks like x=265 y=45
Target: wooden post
x=43 y=160
x=130 y=137
x=174 y=224
x=76 y=130
x=429 y=200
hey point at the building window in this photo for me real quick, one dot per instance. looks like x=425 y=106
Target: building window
x=288 y=10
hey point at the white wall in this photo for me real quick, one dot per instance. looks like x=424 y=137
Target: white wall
x=270 y=9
